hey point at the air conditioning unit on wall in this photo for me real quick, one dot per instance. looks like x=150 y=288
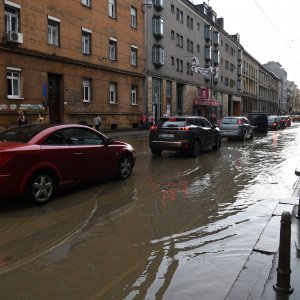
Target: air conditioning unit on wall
x=15 y=37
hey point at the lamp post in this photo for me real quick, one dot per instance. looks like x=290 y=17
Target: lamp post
x=146 y=4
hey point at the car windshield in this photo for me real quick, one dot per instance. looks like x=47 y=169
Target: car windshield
x=271 y=118
x=22 y=134
x=172 y=122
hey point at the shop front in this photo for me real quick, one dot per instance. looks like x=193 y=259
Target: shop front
x=205 y=106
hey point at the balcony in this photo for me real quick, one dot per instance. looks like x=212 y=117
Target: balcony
x=216 y=57
x=208 y=53
x=216 y=38
x=158 y=26
x=208 y=33
x=240 y=55
x=158 y=4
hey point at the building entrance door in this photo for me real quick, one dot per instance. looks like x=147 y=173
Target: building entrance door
x=55 y=98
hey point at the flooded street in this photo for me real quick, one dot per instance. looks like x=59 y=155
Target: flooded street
x=178 y=228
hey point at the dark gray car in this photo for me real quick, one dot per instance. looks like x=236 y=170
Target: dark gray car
x=238 y=128
x=188 y=134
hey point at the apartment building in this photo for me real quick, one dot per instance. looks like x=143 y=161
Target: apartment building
x=72 y=60
x=281 y=73
x=260 y=87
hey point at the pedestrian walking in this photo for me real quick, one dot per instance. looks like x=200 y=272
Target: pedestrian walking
x=21 y=118
x=40 y=118
x=97 y=122
x=151 y=120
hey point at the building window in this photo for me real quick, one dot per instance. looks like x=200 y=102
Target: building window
x=168 y=88
x=179 y=40
x=134 y=55
x=172 y=8
x=86 y=3
x=172 y=34
x=158 y=55
x=190 y=22
x=189 y=45
x=86 y=85
x=112 y=8
x=53 y=31
x=112 y=49
x=172 y=60
x=133 y=14
x=179 y=15
x=11 y=18
x=113 y=93
x=158 y=26
x=13 y=83
x=86 y=41
x=134 y=95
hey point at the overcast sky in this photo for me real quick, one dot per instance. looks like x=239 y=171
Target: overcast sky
x=269 y=30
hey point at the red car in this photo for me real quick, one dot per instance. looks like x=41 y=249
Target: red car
x=37 y=160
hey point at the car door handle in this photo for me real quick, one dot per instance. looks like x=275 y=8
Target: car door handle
x=78 y=153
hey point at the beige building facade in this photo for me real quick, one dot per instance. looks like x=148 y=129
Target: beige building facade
x=71 y=60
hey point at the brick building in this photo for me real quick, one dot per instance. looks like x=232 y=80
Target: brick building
x=72 y=60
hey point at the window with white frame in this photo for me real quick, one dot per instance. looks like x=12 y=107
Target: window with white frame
x=112 y=92
x=11 y=13
x=86 y=3
x=53 y=31
x=158 y=55
x=86 y=35
x=134 y=95
x=13 y=83
x=158 y=25
x=133 y=13
x=86 y=86
x=112 y=49
x=134 y=55
x=112 y=8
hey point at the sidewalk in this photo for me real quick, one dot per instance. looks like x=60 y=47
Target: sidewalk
x=259 y=273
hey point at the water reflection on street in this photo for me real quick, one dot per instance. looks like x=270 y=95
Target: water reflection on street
x=178 y=228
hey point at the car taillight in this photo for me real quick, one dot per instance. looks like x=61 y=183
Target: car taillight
x=4 y=158
x=184 y=128
x=153 y=127
x=274 y=124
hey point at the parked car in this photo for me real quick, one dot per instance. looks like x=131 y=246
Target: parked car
x=288 y=121
x=188 y=134
x=296 y=118
x=238 y=128
x=273 y=123
x=37 y=160
x=259 y=121
x=282 y=122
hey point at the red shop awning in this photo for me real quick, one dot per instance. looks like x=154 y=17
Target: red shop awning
x=206 y=102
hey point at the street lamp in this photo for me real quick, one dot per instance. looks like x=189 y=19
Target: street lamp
x=148 y=4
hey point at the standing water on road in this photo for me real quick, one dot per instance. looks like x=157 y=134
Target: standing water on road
x=179 y=228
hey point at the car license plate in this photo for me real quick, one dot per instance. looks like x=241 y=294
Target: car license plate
x=166 y=135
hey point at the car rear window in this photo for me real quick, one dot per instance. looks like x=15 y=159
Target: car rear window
x=172 y=122
x=258 y=116
x=22 y=134
x=229 y=121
